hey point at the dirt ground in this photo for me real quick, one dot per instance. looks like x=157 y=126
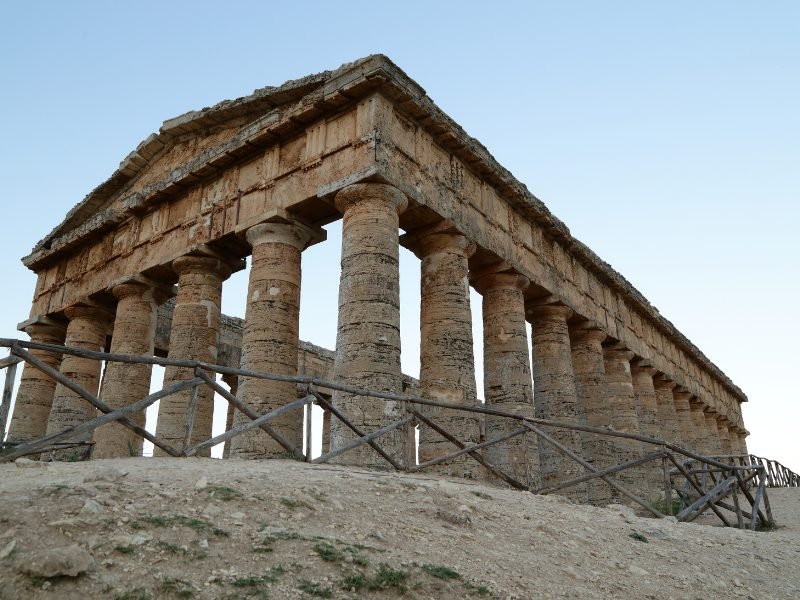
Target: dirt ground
x=203 y=528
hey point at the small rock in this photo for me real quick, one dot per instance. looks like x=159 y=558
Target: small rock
x=27 y=463
x=201 y=484
x=377 y=535
x=203 y=544
x=638 y=571
x=238 y=516
x=107 y=562
x=137 y=539
x=70 y=561
x=8 y=549
x=91 y=507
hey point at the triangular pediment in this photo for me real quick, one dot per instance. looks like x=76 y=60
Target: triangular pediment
x=195 y=135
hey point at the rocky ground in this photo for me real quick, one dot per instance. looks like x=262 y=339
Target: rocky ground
x=204 y=528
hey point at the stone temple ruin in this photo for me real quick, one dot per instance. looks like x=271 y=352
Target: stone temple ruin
x=138 y=267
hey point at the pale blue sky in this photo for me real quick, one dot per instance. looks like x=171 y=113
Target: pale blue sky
x=666 y=137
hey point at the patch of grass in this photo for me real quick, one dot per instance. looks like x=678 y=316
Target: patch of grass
x=36 y=580
x=482 y=495
x=138 y=593
x=661 y=506
x=224 y=493
x=639 y=537
x=177 y=587
x=181 y=521
x=328 y=552
x=125 y=549
x=317 y=495
x=171 y=548
x=386 y=577
x=314 y=589
x=246 y=582
x=353 y=581
x=293 y=503
x=441 y=572
x=272 y=575
x=769 y=526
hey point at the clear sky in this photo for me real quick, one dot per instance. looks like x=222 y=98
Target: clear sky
x=666 y=136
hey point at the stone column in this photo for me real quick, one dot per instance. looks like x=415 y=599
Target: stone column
x=670 y=426
x=724 y=437
x=591 y=389
x=713 y=444
x=680 y=398
x=124 y=384
x=232 y=381
x=742 y=447
x=368 y=335
x=87 y=329
x=647 y=409
x=326 y=431
x=623 y=411
x=447 y=364
x=507 y=375
x=194 y=336
x=554 y=395
x=35 y=392
x=699 y=431
x=270 y=337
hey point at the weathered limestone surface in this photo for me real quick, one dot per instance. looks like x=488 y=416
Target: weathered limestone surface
x=647 y=410
x=683 y=409
x=724 y=437
x=368 y=335
x=447 y=364
x=507 y=374
x=699 y=432
x=194 y=336
x=88 y=327
x=712 y=434
x=124 y=384
x=312 y=146
x=270 y=339
x=591 y=390
x=35 y=393
x=623 y=412
x=554 y=395
x=670 y=423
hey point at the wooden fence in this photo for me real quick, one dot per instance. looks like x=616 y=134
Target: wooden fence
x=692 y=483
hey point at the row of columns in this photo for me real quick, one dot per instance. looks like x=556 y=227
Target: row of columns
x=578 y=374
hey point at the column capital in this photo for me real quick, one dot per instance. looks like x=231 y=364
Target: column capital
x=44 y=329
x=618 y=351
x=192 y=263
x=662 y=382
x=550 y=311
x=95 y=312
x=488 y=281
x=292 y=233
x=643 y=365
x=358 y=193
x=140 y=286
x=584 y=332
x=437 y=239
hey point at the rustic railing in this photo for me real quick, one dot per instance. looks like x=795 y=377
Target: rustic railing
x=698 y=483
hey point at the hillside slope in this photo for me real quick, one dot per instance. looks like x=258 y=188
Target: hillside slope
x=204 y=528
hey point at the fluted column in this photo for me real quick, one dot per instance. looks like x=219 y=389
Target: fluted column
x=35 y=392
x=699 y=431
x=194 y=336
x=270 y=337
x=623 y=411
x=554 y=395
x=447 y=364
x=506 y=374
x=669 y=422
x=368 y=335
x=87 y=329
x=124 y=383
x=713 y=443
x=591 y=390
x=742 y=435
x=647 y=410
